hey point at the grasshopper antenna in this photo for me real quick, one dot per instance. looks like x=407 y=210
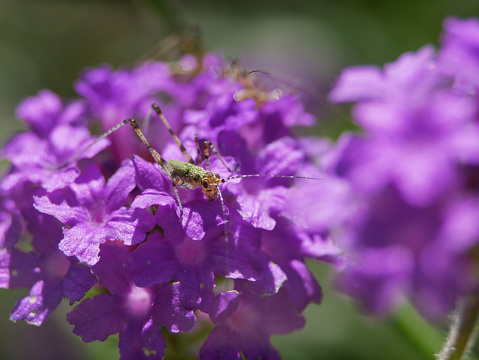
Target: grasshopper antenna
x=267 y=175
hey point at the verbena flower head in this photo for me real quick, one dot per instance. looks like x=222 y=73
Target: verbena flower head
x=137 y=313
x=458 y=56
x=56 y=133
x=245 y=323
x=48 y=272
x=414 y=209
x=69 y=222
x=94 y=212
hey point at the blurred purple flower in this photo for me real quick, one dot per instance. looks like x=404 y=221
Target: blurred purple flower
x=409 y=227
x=458 y=55
x=417 y=129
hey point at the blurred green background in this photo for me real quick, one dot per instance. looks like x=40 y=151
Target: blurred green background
x=44 y=44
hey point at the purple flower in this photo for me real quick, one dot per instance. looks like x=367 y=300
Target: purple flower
x=94 y=212
x=405 y=250
x=44 y=112
x=11 y=222
x=289 y=246
x=458 y=55
x=417 y=129
x=38 y=156
x=408 y=179
x=245 y=323
x=50 y=275
x=136 y=313
x=199 y=214
x=175 y=256
x=259 y=201
x=113 y=96
x=121 y=219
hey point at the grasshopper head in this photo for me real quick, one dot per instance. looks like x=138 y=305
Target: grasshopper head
x=209 y=185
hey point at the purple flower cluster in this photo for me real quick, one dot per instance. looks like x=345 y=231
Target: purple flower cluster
x=111 y=220
x=404 y=194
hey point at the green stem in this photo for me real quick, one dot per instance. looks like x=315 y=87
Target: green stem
x=462 y=331
x=412 y=327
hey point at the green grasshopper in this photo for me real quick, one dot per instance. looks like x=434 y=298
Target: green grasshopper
x=185 y=174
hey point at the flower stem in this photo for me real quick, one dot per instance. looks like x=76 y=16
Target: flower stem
x=462 y=331
x=416 y=331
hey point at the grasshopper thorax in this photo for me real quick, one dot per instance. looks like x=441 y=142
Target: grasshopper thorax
x=190 y=176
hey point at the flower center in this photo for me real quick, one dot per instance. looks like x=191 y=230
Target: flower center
x=139 y=301
x=56 y=266
x=244 y=319
x=191 y=252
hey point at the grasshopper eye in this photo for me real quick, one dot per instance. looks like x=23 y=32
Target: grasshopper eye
x=205 y=184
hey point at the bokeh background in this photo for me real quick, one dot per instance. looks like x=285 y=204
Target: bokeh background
x=45 y=43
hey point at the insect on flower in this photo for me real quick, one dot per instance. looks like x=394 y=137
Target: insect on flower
x=187 y=174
